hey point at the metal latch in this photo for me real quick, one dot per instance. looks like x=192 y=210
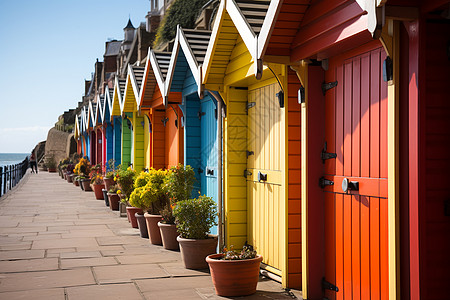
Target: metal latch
x=329 y=286
x=328 y=86
x=324 y=182
x=200 y=170
x=326 y=155
x=209 y=171
x=262 y=176
x=250 y=153
x=247 y=173
x=249 y=105
x=200 y=114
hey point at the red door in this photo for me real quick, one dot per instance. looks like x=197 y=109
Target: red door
x=356 y=228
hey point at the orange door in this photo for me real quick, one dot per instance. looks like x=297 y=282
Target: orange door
x=356 y=228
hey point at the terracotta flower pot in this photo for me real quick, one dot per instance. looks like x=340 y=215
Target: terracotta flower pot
x=131 y=211
x=105 y=196
x=98 y=191
x=113 y=201
x=169 y=235
x=75 y=182
x=86 y=185
x=194 y=252
x=142 y=225
x=69 y=178
x=234 y=277
x=154 y=233
x=109 y=182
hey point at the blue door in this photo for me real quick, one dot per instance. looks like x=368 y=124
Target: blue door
x=208 y=158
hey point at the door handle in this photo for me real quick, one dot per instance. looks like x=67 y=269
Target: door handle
x=262 y=176
x=349 y=185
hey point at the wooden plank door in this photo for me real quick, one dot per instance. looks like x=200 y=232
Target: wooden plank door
x=265 y=152
x=208 y=156
x=356 y=228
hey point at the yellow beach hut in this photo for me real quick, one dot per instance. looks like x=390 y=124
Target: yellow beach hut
x=261 y=138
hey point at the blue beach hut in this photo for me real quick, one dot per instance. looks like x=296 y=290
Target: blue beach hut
x=200 y=119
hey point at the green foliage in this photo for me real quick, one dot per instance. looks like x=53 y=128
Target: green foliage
x=247 y=252
x=125 y=180
x=180 y=182
x=113 y=189
x=195 y=217
x=183 y=12
x=149 y=193
x=50 y=162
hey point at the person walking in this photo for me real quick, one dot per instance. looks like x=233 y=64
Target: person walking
x=33 y=163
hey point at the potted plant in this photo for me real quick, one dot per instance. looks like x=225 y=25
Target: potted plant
x=108 y=179
x=179 y=184
x=194 y=219
x=125 y=180
x=235 y=273
x=83 y=168
x=150 y=196
x=97 y=183
x=113 y=197
x=51 y=163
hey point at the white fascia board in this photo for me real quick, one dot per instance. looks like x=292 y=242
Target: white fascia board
x=172 y=64
x=268 y=26
x=108 y=101
x=242 y=26
x=212 y=42
x=157 y=72
x=192 y=61
x=144 y=78
x=98 y=111
x=91 y=114
x=134 y=84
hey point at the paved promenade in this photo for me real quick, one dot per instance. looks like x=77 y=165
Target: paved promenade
x=58 y=242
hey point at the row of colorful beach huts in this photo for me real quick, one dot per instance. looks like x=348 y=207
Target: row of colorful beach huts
x=319 y=127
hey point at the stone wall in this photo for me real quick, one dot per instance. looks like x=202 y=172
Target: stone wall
x=59 y=144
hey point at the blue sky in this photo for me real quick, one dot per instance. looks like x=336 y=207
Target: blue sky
x=48 y=48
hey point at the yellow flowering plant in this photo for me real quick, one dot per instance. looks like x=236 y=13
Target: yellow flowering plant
x=149 y=193
x=83 y=167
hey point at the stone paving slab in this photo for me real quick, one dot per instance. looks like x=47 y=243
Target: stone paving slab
x=46 y=279
x=127 y=273
x=28 y=265
x=45 y=294
x=125 y=291
x=58 y=242
x=87 y=262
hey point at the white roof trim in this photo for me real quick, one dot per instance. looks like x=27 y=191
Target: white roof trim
x=242 y=26
x=158 y=74
x=144 y=78
x=190 y=57
x=268 y=26
x=99 y=109
x=173 y=62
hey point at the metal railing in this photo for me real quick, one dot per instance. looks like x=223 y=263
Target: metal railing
x=11 y=175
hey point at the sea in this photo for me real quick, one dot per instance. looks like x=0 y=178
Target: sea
x=7 y=159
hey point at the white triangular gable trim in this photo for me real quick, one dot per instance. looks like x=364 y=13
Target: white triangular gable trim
x=181 y=41
x=158 y=75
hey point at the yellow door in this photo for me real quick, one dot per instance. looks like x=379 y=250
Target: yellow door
x=265 y=151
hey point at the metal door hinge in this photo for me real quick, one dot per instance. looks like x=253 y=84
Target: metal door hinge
x=249 y=105
x=328 y=85
x=326 y=155
x=329 y=286
x=247 y=173
x=324 y=182
x=250 y=153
